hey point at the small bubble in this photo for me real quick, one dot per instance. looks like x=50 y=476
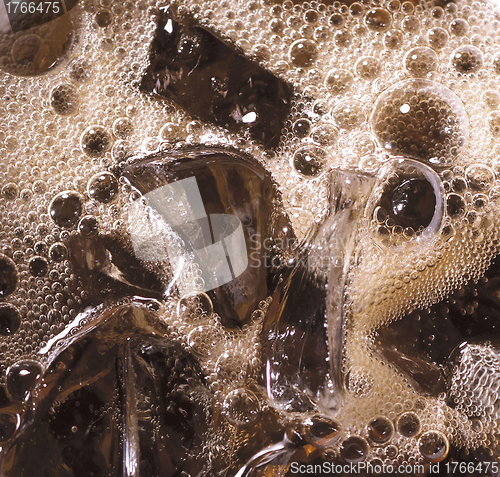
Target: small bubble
x=301 y=127
x=342 y=38
x=408 y=424
x=103 y=18
x=459 y=27
x=438 y=37
x=58 y=252
x=455 y=206
x=204 y=339
x=22 y=378
x=337 y=20
x=197 y=306
x=311 y=16
x=421 y=61
x=338 y=81
x=434 y=446
x=103 y=187
x=348 y=114
x=325 y=134
x=88 y=226
x=64 y=99
x=79 y=70
x=368 y=67
x=66 y=208
x=10 y=319
x=393 y=39
x=122 y=128
x=378 y=19
x=479 y=177
x=38 y=266
x=95 y=141
x=354 y=449
x=10 y=191
x=356 y=9
x=303 y=52
x=491 y=98
x=8 y=276
x=380 y=430
x=467 y=59
x=309 y=160
x=410 y=24
x=121 y=150
x=322 y=432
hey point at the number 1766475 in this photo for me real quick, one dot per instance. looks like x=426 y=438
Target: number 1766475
x=33 y=7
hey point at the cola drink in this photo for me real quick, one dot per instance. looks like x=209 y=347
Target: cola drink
x=249 y=239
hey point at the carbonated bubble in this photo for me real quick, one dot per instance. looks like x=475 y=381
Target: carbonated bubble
x=8 y=276
x=421 y=61
x=122 y=128
x=408 y=424
x=438 y=37
x=378 y=19
x=10 y=319
x=95 y=141
x=325 y=134
x=434 y=446
x=10 y=191
x=393 y=39
x=63 y=99
x=411 y=24
x=38 y=266
x=241 y=407
x=420 y=119
x=467 y=59
x=480 y=177
x=348 y=114
x=103 y=187
x=323 y=432
x=58 y=252
x=204 y=339
x=66 y=208
x=494 y=123
x=88 y=226
x=169 y=132
x=103 y=18
x=380 y=430
x=79 y=70
x=21 y=378
x=337 y=20
x=303 y=52
x=459 y=27
x=338 y=81
x=121 y=150
x=455 y=206
x=354 y=449
x=301 y=127
x=310 y=160
x=368 y=67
